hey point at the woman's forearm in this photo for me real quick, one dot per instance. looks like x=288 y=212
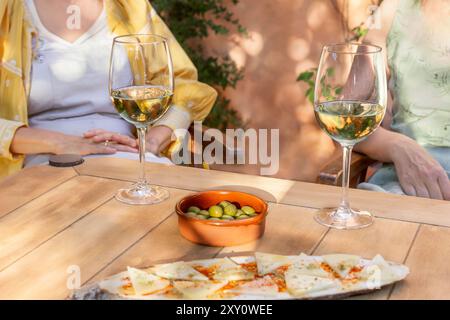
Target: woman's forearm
x=33 y=140
x=381 y=145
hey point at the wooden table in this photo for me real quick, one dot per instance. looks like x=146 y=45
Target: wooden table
x=52 y=219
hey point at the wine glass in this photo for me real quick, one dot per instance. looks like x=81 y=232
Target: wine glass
x=350 y=100
x=141 y=86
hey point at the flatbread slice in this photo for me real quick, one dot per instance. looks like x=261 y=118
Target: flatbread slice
x=222 y=269
x=269 y=263
x=310 y=266
x=378 y=272
x=179 y=271
x=264 y=286
x=302 y=285
x=230 y=271
x=146 y=283
x=343 y=264
x=198 y=289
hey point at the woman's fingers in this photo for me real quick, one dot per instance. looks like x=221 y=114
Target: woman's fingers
x=93 y=132
x=409 y=190
x=100 y=149
x=444 y=184
x=114 y=137
x=434 y=189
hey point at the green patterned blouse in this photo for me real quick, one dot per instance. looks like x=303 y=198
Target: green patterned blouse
x=419 y=60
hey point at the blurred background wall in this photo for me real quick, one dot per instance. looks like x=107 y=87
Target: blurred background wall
x=285 y=37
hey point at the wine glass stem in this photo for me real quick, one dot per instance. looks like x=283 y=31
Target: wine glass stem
x=346 y=159
x=141 y=137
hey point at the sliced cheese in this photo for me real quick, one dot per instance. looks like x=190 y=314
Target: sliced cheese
x=301 y=285
x=269 y=263
x=228 y=270
x=378 y=272
x=342 y=263
x=146 y=283
x=179 y=271
x=198 y=289
x=265 y=286
x=311 y=266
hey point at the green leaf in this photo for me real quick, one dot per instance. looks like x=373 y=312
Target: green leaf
x=330 y=72
x=305 y=76
x=193 y=20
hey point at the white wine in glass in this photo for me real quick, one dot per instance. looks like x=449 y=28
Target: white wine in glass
x=141 y=88
x=349 y=104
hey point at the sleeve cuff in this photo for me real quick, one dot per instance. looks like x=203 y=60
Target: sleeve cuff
x=175 y=118
x=7 y=130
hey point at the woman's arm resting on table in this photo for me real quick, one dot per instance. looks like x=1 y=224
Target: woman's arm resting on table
x=418 y=172
x=35 y=141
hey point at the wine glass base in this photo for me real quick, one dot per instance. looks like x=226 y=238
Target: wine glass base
x=344 y=218
x=142 y=193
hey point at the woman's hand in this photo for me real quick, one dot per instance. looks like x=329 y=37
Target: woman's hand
x=418 y=172
x=158 y=138
x=114 y=140
x=81 y=146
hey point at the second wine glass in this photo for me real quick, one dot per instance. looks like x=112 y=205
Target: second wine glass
x=141 y=86
x=349 y=104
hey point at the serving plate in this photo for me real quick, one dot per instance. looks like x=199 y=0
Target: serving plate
x=119 y=286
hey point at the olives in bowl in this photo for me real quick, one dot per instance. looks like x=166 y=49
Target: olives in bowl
x=221 y=218
x=225 y=210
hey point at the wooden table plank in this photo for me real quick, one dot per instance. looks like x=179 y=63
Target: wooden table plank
x=29 y=184
x=391 y=239
x=37 y=221
x=163 y=244
x=289 y=230
x=90 y=243
x=303 y=194
x=429 y=263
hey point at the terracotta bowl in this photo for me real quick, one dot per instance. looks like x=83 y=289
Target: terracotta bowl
x=222 y=233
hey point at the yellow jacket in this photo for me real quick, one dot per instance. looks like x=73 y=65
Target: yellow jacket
x=124 y=17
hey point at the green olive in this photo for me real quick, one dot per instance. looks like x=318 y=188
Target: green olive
x=227 y=217
x=204 y=213
x=248 y=210
x=230 y=210
x=191 y=214
x=239 y=212
x=201 y=217
x=215 y=211
x=244 y=216
x=194 y=209
x=224 y=204
x=213 y=219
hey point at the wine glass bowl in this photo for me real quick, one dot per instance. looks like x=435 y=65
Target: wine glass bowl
x=141 y=86
x=350 y=100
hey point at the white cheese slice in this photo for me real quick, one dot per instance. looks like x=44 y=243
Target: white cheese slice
x=378 y=272
x=342 y=263
x=265 y=286
x=268 y=263
x=146 y=283
x=198 y=289
x=179 y=271
x=301 y=285
x=311 y=266
x=228 y=270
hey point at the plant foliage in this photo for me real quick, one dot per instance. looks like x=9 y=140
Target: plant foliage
x=193 y=20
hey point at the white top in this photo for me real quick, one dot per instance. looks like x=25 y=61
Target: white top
x=69 y=84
